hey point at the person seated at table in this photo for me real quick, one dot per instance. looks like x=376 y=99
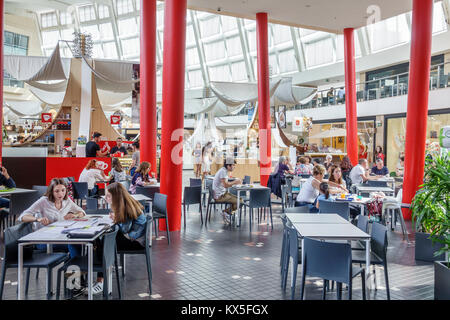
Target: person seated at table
x=335 y=181
x=141 y=177
x=8 y=182
x=379 y=169
x=91 y=174
x=400 y=166
x=310 y=189
x=54 y=205
x=301 y=167
x=309 y=163
x=220 y=185
x=328 y=162
x=360 y=173
x=324 y=190
x=119 y=147
x=129 y=215
x=284 y=167
x=117 y=172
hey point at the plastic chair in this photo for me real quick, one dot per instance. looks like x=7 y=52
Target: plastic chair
x=108 y=260
x=91 y=203
x=393 y=211
x=41 y=190
x=378 y=246
x=330 y=261
x=246 y=180
x=159 y=209
x=212 y=202
x=31 y=259
x=341 y=208
x=302 y=209
x=293 y=251
x=80 y=191
x=195 y=182
x=148 y=191
x=19 y=202
x=374 y=183
x=192 y=195
x=259 y=199
x=146 y=250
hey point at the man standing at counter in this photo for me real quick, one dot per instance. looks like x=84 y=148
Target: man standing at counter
x=119 y=147
x=93 y=149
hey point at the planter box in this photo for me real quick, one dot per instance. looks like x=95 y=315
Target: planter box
x=425 y=249
x=441 y=280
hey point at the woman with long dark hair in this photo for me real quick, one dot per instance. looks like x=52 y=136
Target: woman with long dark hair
x=141 y=177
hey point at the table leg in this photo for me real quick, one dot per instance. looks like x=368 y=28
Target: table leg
x=367 y=269
x=238 y=207
x=110 y=280
x=90 y=269
x=303 y=261
x=20 y=272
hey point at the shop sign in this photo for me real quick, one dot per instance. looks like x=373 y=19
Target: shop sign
x=46 y=117
x=115 y=119
x=297 y=124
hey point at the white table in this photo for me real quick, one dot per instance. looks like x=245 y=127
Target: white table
x=45 y=236
x=360 y=202
x=321 y=228
x=245 y=188
x=315 y=218
x=367 y=189
x=15 y=191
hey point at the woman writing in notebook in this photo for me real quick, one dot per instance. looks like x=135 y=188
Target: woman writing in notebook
x=53 y=206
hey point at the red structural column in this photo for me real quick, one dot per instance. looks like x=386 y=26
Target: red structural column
x=265 y=146
x=1 y=76
x=350 y=96
x=172 y=122
x=417 y=112
x=148 y=122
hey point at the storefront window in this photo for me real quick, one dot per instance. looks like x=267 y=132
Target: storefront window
x=395 y=140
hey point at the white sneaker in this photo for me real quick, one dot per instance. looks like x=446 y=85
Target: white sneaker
x=96 y=288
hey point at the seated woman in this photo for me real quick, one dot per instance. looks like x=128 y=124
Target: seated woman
x=117 y=172
x=54 y=206
x=141 y=177
x=128 y=214
x=324 y=193
x=284 y=168
x=335 y=181
x=310 y=189
x=301 y=167
x=90 y=174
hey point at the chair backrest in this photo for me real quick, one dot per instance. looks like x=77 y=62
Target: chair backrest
x=363 y=223
x=327 y=260
x=379 y=241
x=246 y=180
x=305 y=176
x=91 y=203
x=80 y=190
x=195 y=182
x=97 y=212
x=148 y=191
x=210 y=190
x=293 y=242
x=326 y=176
x=341 y=208
x=109 y=247
x=22 y=201
x=259 y=198
x=302 y=209
x=208 y=182
x=374 y=183
x=192 y=195
x=41 y=190
x=148 y=231
x=71 y=179
x=11 y=236
x=160 y=203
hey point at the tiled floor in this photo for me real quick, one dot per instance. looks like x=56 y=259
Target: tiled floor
x=215 y=262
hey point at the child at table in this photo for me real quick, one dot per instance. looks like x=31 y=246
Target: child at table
x=141 y=177
x=54 y=206
x=324 y=190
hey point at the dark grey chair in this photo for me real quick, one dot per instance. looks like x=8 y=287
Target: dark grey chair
x=31 y=259
x=302 y=209
x=341 y=208
x=97 y=212
x=80 y=192
x=246 y=180
x=41 y=190
x=195 y=182
x=293 y=251
x=148 y=191
x=91 y=203
x=108 y=260
x=19 y=202
x=330 y=261
x=192 y=195
x=146 y=250
x=375 y=183
x=159 y=211
x=259 y=199
x=378 y=246
x=212 y=202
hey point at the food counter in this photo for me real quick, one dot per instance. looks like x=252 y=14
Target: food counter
x=244 y=167
x=337 y=157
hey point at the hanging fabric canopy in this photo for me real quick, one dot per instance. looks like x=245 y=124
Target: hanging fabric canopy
x=108 y=98
x=25 y=108
x=49 y=97
x=288 y=94
x=199 y=106
x=116 y=76
x=31 y=69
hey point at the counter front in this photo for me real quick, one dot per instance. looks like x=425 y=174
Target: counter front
x=244 y=167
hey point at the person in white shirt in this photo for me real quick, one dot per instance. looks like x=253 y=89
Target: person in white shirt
x=91 y=174
x=54 y=206
x=360 y=173
x=220 y=184
x=310 y=189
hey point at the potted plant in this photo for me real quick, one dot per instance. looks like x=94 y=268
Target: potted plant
x=430 y=212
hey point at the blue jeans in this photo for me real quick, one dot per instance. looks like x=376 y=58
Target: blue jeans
x=4 y=203
x=74 y=250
